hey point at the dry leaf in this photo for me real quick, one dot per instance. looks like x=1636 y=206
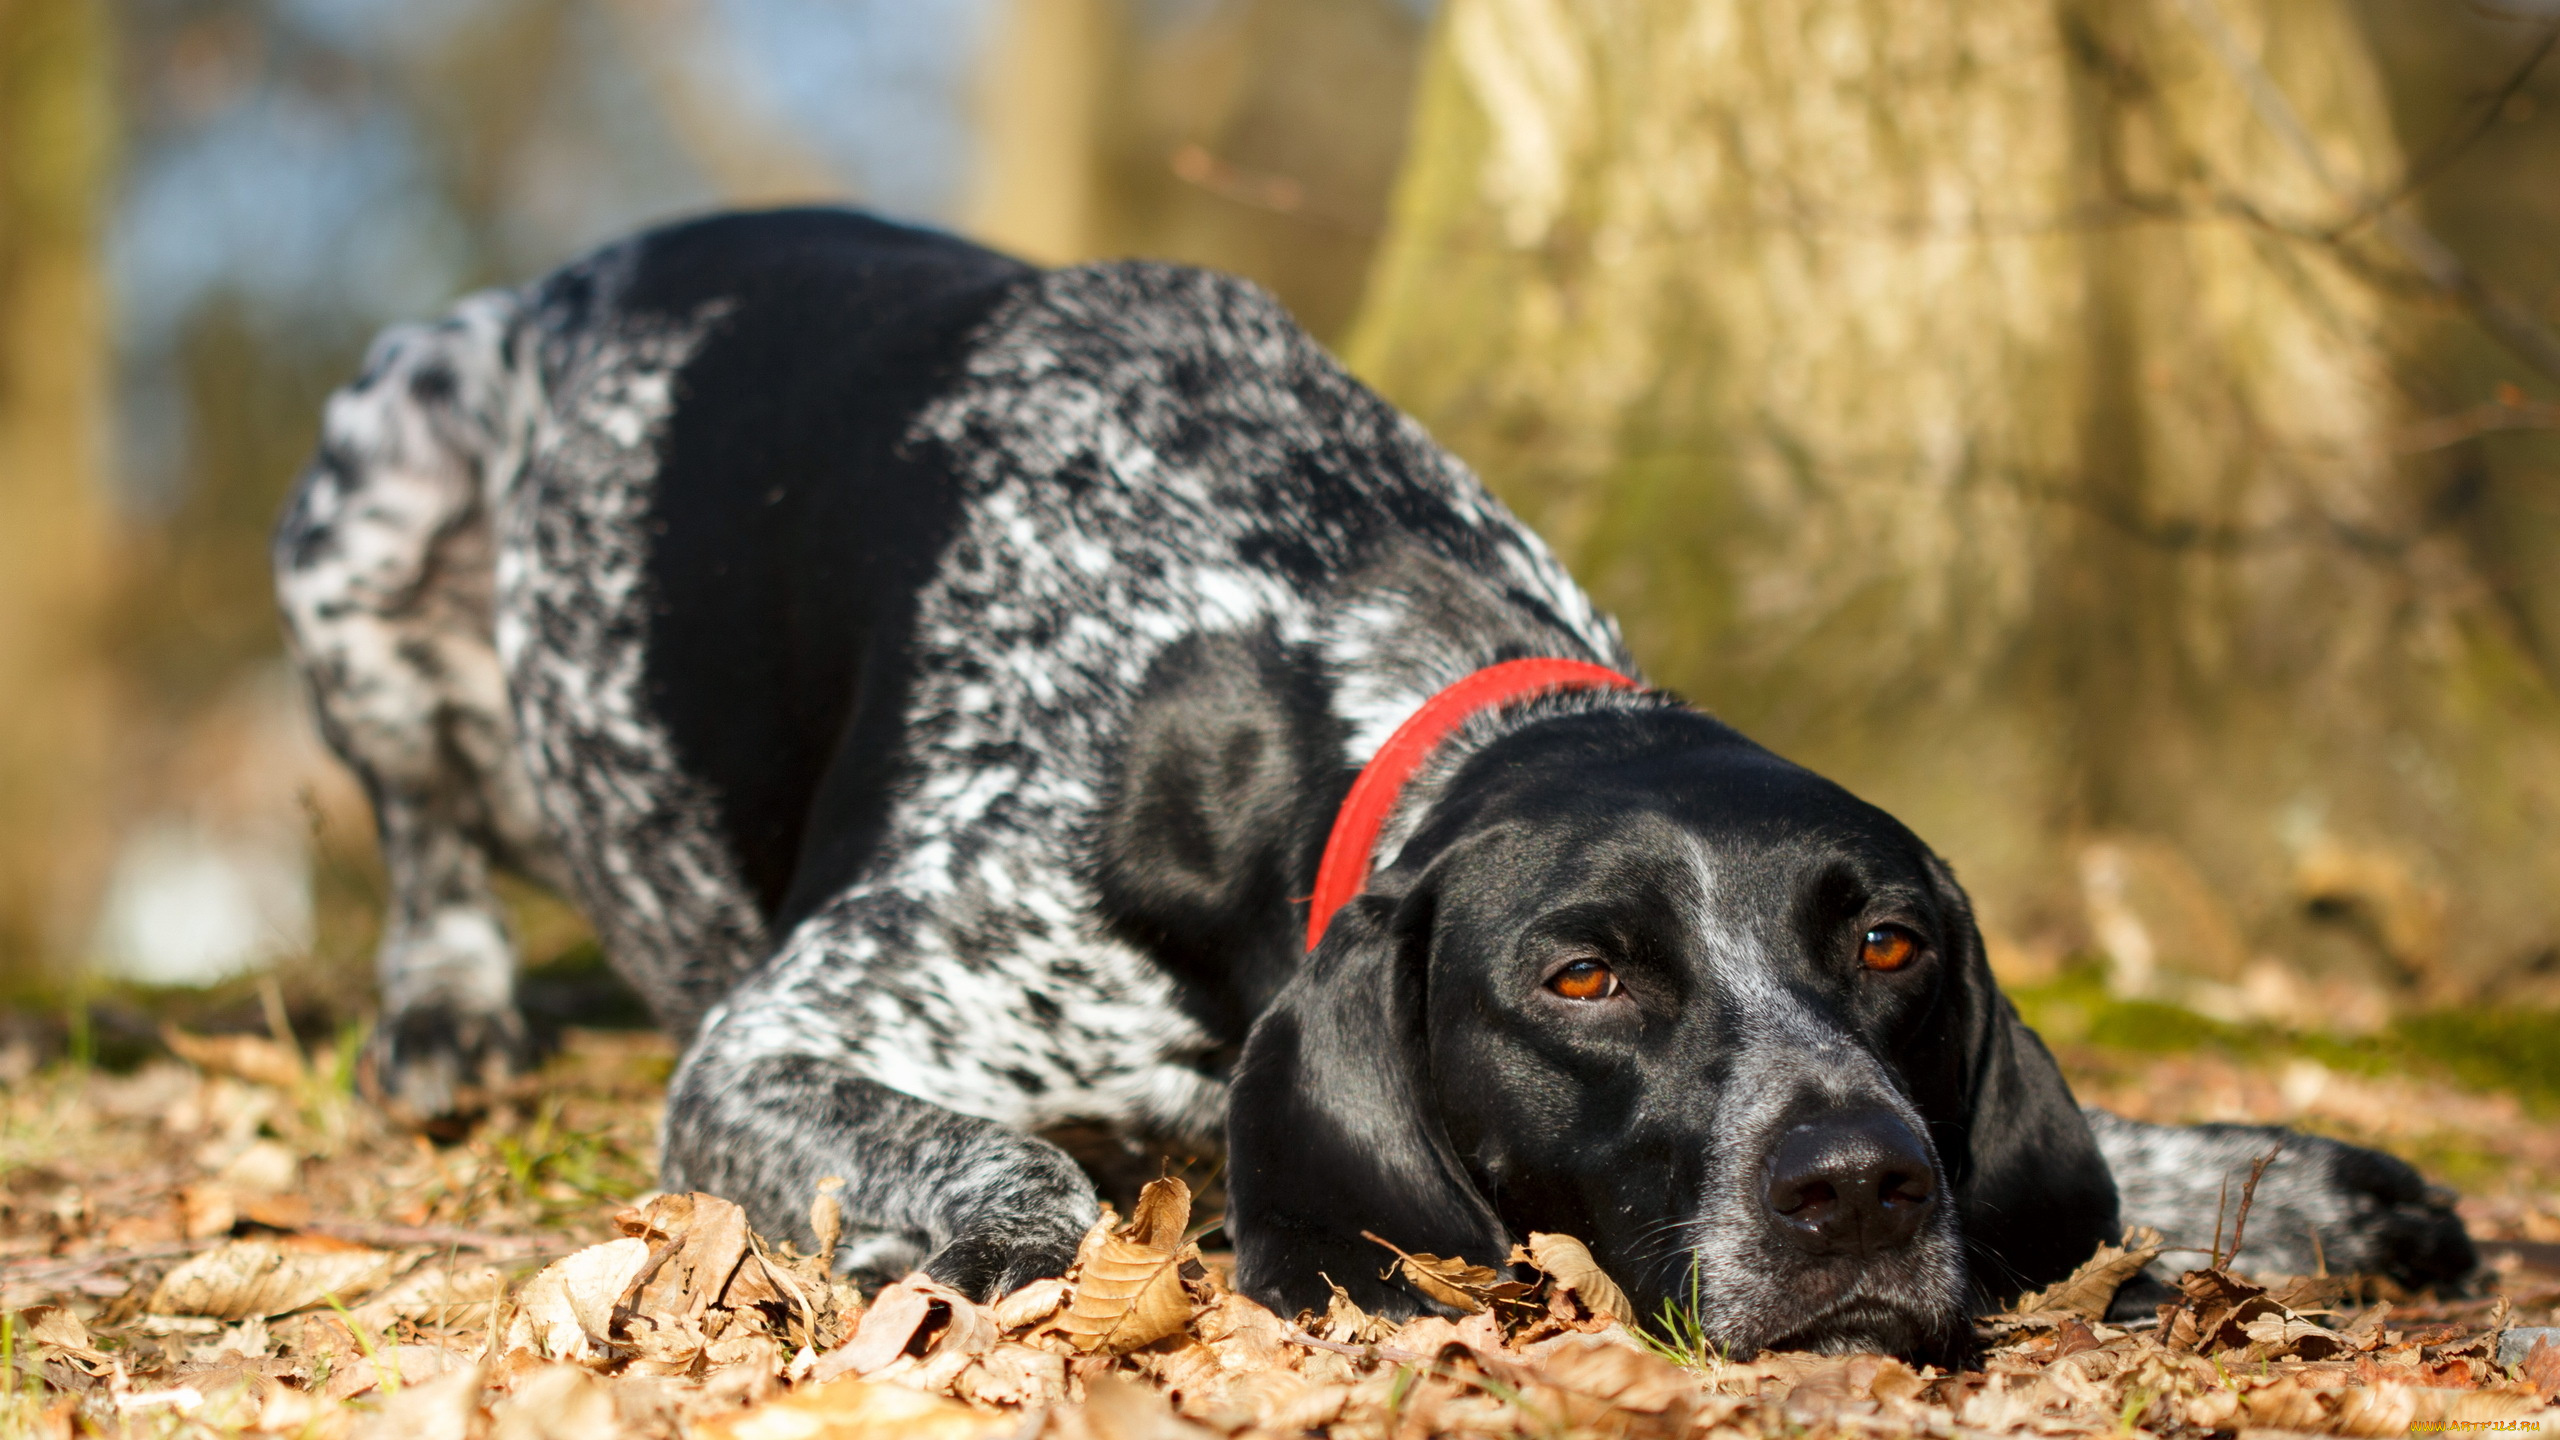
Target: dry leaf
x=1277 y=1400
x=1592 y=1378
x=1118 y=1409
x=402 y=1364
x=1453 y=1282
x=1014 y=1374
x=206 y=1210
x=917 y=1317
x=253 y=1058
x=434 y=1295
x=2541 y=1369
x=1030 y=1305
x=1345 y=1323
x=2088 y=1290
x=446 y=1407
x=1242 y=1333
x=2281 y=1334
x=851 y=1409
x=566 y=1312
x=2213 y=1306
x=1129 y=1292
x=272 y=1277
x=697 y=1244
x=557 y=1402
x=267 y=1167
x=1569 y=1267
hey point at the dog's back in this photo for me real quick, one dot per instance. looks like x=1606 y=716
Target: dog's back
x=937 y=679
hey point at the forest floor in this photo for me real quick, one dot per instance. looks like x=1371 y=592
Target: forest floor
x=233 y=1243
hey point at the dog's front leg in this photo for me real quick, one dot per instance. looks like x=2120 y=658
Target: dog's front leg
x=989 y=1208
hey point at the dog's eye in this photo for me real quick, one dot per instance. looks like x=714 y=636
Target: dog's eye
x=1888 y=947
x=1584 y=980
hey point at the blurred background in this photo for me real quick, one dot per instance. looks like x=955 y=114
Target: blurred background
x=2115 y=435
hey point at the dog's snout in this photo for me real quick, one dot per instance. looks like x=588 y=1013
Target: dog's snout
x=1850 y=1185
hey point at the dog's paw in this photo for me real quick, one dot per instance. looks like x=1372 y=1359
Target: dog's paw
x=437 y=1068
x=989 y=1262
x=2392 y=1222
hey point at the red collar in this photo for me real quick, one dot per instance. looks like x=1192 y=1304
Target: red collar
x=1345 y=870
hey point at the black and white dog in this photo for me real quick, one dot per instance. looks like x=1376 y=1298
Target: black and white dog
x=940 y=679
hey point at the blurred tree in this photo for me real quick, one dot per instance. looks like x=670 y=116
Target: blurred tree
x=57 y=546
x=1256 y=136
x=1040 y=107
x=1999 y=407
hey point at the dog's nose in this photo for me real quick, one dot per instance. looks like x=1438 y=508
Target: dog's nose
x=1850 y=1185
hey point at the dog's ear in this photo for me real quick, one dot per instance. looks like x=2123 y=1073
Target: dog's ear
x=2035 y=1193
x=1331 y=1131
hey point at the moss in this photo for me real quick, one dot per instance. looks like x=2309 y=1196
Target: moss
x=2512 y=1051
x=2517 y=1050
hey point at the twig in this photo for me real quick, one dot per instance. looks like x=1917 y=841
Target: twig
x=73 y=1269
x=437 y=1235
x=2249 y=1196
x=56 y=1271
x=1358 y=1352
x=2486 y=419
x=2462 y=136
x=2509 y=323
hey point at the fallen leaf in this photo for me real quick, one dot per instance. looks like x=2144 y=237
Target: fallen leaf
x=566 y=1312
x=1118 y=1409
x=1345 y=1323
x=434 y=1295
x=557 y=1402
x=1592 y=1378
x=267 y=1167
x=401 y=1365
x=2088 y=1290
x=1129 y=1291
x=1569 y=1267
x=2274 y=1336
x=1452 y=1281
x=851 y=1409
x=1013 y=1374
x=918 y=1317
x=1030 y=1305
x=61 y=1336
x=253 y=1058
x=272 y=1277
x=206 y=1210
x=697 y=1246
x=444 y=1407
x=1242 y=1333
x=2541 y=1369
x=2213 y=1306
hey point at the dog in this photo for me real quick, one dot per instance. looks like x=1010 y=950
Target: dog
x=975 y=703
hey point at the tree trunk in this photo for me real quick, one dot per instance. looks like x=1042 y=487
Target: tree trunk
x=56 y=687
x=1953 y=398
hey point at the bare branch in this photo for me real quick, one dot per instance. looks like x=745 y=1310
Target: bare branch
x=2497 y=415
x=2466 y=133
x=2249 y=1197
x=2524 y=336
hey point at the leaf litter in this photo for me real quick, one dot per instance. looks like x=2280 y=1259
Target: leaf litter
x=525 y=1284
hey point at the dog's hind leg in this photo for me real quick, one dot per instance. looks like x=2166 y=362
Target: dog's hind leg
x=383 y=565
x=2320 y=1204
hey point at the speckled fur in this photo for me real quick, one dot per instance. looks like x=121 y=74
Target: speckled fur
x=2320 y=1207
x=463 y=573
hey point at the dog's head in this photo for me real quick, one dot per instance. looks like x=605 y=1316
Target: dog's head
x=1637 y=980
